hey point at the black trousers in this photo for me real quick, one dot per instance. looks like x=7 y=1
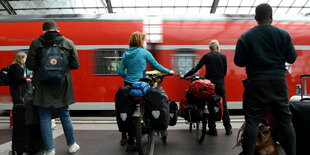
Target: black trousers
x=261 y=91
x=131 y=131
x=221 y=91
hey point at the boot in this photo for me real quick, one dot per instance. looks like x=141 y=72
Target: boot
x=212 y=132
x=228 y=131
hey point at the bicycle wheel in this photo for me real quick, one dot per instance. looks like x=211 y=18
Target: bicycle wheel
x=144 y=139
x=201 y=127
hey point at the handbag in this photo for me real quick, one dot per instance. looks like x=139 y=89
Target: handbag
x=264 y=142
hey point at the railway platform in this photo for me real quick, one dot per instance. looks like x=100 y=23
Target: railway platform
x=100 y=136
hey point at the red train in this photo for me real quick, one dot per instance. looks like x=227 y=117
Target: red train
x=180 y=41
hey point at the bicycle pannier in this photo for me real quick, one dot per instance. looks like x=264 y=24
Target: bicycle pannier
x=173 y=108
x=216 y=108
x=124 y=105
x=157 y=108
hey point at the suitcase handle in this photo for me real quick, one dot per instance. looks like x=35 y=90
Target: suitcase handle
x=303 y=83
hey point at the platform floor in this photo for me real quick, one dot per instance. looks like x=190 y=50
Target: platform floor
x=99 y=136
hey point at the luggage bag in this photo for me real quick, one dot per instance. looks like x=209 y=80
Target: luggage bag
x=300 y=109
x=26 y=138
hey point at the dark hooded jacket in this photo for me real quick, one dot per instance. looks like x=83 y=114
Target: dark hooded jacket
x=52 y=95
x=18 y=84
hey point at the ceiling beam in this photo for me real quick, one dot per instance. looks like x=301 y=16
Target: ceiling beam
x=214 y=6
x=109 y=6
x=7 y=6
x=121 y=7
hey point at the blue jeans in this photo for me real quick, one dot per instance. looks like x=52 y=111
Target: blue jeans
x=46 y=130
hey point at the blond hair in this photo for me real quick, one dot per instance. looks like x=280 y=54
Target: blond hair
x=213 y=44
x=19 y=59
x=137 y=39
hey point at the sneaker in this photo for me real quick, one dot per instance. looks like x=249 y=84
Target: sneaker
x=212 y=132
x=123 y=141
x=228 y=131
x=74 y=148
x=53 y=123
x=50 y=152
x=131 y=148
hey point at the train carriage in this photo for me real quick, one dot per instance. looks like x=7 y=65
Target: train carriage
x=176 y=41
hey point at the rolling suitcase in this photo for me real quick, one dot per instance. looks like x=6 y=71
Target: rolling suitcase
x=26 y=138
x=300 y=109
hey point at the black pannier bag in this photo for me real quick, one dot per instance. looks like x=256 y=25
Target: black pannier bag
x=216 y=108
x=157 y=108
x=191 y=113
x=124 y=105
x=173 y=113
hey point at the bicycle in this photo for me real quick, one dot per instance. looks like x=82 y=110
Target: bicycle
x=196 y=107
x=143 y=131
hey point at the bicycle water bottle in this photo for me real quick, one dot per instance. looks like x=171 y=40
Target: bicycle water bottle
x=298 y=89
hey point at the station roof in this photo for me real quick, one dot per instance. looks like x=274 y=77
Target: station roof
x=39 y=7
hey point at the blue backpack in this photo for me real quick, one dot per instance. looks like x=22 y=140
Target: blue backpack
x=139 y=89
x=54 y=64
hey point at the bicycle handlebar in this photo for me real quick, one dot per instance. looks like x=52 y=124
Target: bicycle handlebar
x=192 y=78
x=158 y=75
x=154 y=78
x=163 y=75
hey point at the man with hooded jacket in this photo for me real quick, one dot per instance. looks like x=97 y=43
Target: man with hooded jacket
x=53 y=96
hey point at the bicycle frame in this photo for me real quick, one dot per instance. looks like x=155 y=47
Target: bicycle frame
x=142 y=123
x=201 y=105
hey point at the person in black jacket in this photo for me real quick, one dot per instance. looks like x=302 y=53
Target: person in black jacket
x=216 y=68
x=263 y=50
x=53 y=96
x=17 y=78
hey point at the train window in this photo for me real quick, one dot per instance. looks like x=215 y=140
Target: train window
x=183 y=61
x=108 y=60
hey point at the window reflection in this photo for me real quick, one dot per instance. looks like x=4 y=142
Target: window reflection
x=108 y=60
x=183 y=61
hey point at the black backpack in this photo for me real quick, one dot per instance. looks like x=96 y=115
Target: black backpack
x=54 y=64
x=4 y=80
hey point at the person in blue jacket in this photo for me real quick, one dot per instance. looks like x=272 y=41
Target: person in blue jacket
x=133 y=68
x=133 y=64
